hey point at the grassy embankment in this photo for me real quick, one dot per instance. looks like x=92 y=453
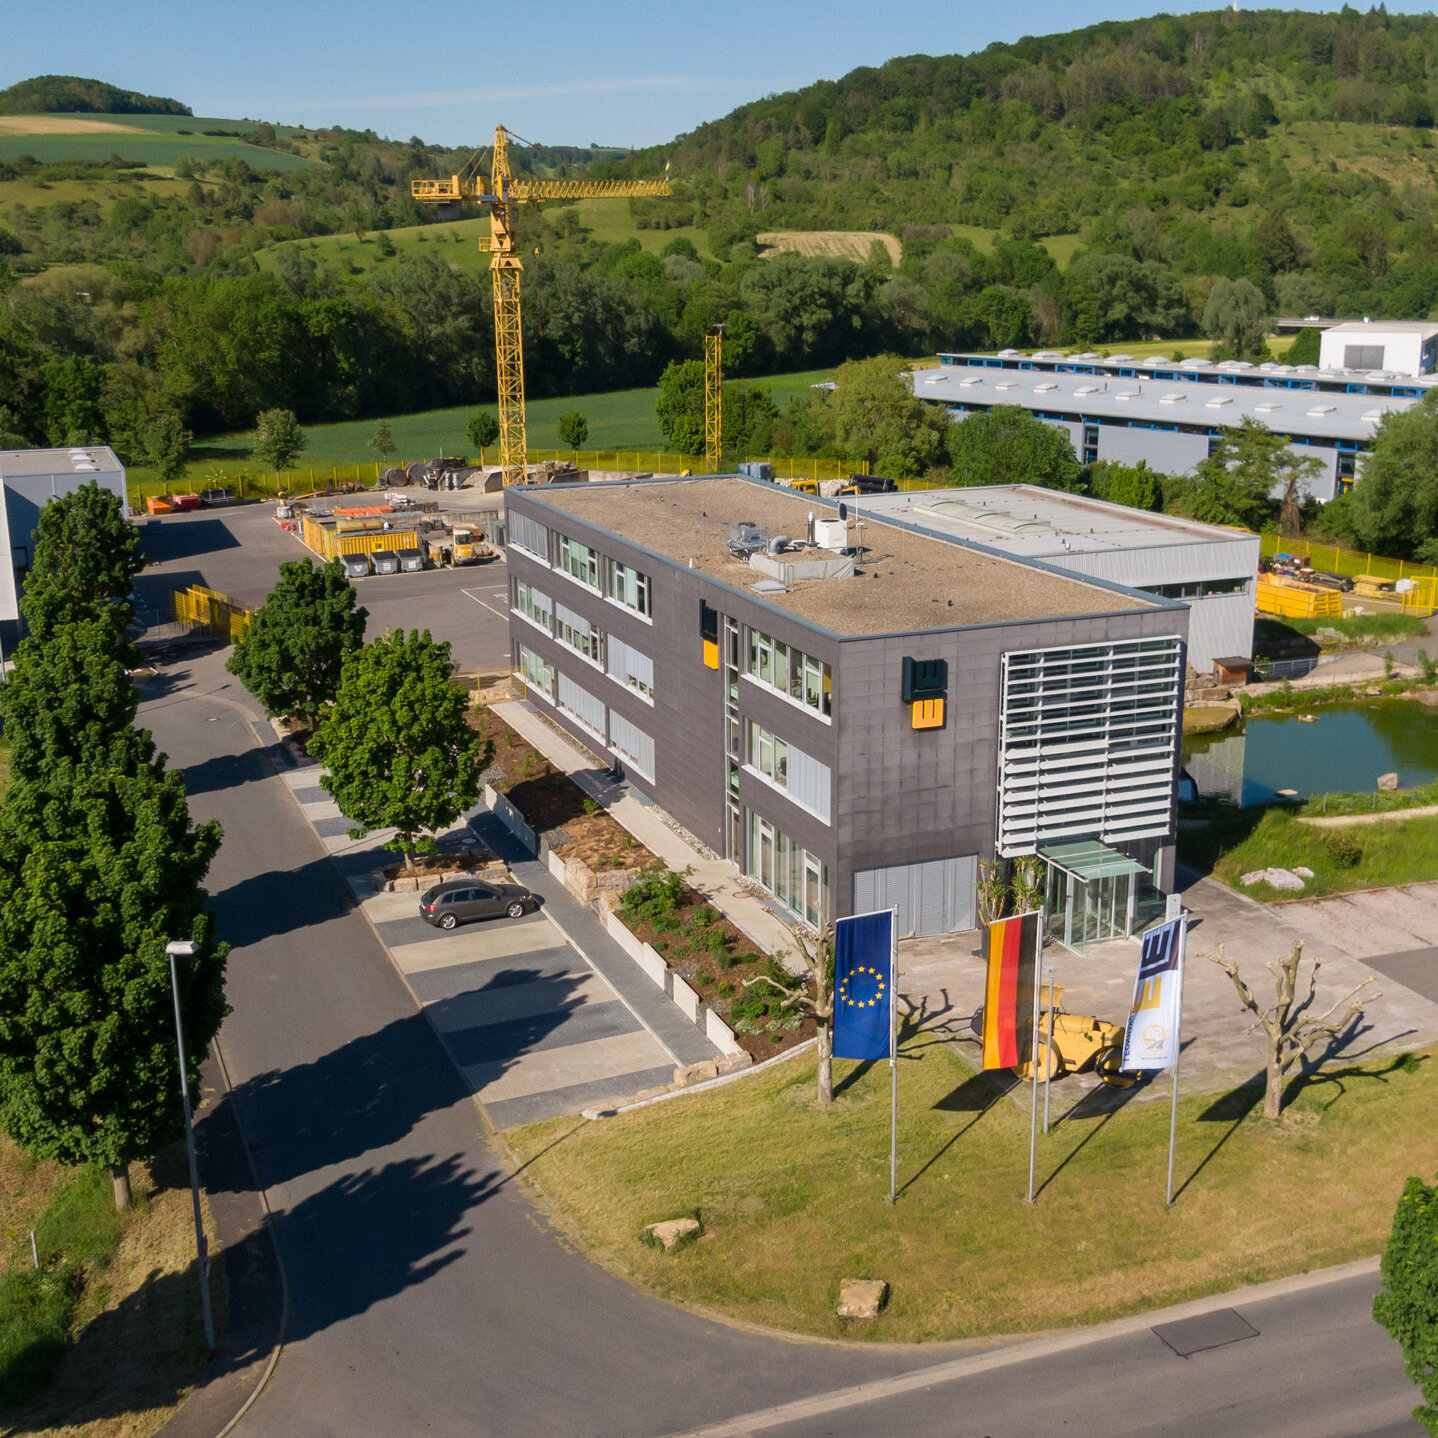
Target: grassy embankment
x=793 y=1199
x=151 y=139
x=620 y=420
x=104 y=1339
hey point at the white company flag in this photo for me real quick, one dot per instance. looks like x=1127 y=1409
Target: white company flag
x=1151 y=1038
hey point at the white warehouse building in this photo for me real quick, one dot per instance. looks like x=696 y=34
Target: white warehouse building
x=28 y=479
x=1172 y=415
x=1211 y=569
x=1390 y=347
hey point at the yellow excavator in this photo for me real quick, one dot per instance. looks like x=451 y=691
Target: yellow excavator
x=499 y=192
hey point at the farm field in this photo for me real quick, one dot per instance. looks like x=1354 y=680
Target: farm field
x=152 y=139
x=623 y=419
x=841 y=244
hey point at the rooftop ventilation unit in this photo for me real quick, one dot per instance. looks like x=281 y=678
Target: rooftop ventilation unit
x=1088 y=389
x=970 y=380
x=1320 y=410
x=1222 y=402
x=746 y=538
x=1048 y=387
x=1129 y=394
x=1008 y=354
x=1174 y=397
x=831 y=534
x=1119 y=359
x=1007 y=384
x=1373 y=416
x=1152 y=361
x=1270 y=407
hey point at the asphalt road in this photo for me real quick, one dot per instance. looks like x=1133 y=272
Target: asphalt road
x=429 y=1297
x=239 y=551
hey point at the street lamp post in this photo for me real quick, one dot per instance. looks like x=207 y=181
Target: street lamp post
x=184 y=949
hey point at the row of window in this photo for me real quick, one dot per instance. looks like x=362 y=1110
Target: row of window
x=622 y=662
x=800 y=775
x=622 y=583
x=790 y=672
x=589 y=711
x=797 y=878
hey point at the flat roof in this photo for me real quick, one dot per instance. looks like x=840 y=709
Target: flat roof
x=1319 y=415
x=905 y=581
x=81 y=460
x=1381 y=327
x=1036 y=523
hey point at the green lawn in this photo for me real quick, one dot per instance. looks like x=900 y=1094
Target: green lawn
x=793 y=1199
x=158 y=143
x=623 y=419
x=1360 y=856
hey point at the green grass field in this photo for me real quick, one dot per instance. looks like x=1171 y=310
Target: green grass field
x=623 y=419
x=158 y=143
x=793 y=1198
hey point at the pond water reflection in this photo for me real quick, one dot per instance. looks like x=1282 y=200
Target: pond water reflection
x=1346 y=747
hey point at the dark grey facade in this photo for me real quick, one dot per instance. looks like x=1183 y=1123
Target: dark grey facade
x=894 y=795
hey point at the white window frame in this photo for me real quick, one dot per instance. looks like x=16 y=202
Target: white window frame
x=793 y=870
x=772 y=759
x=528 y=658
x=526 y=610
x=572 y=637
x=616 y=743
x=570 y=712
x=784 y=657
x=516 y=523
x=615 y=650
x=574 y=551
x=643 y=587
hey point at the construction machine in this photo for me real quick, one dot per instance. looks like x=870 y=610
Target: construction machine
x=500 y=193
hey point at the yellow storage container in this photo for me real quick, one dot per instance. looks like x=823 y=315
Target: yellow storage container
x=1288 y=601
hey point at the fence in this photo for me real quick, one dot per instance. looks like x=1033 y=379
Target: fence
x=1266 y=669
x=1421 y=598
x=320 y=478
x=201 y=608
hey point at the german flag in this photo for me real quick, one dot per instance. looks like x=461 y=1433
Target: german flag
x=1009 y=992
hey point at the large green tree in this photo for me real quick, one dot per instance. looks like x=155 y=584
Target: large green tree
x=1009 y=445
x=573 y=429
x=679 y=407
x=99 y=869
x=291 y=656
x=482 y=429
x=1250 y=471
x=1394 y=504
x=397 y=746
x=878 y=417
x=1407 y=1303
x=85 y=559
x=1236 y=315
x=164 y=445
x=279 y=440
x=70 y=699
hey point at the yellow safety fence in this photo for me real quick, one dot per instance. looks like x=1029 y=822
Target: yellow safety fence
x=1420 y=598
x=203 y=608
x=266 y=484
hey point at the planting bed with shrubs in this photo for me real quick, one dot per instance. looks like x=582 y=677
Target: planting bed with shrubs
x=715 y=959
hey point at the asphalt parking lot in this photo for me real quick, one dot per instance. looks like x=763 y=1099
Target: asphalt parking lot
x=239 y=550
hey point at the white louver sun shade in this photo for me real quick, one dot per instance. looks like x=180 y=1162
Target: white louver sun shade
x=1088 y=742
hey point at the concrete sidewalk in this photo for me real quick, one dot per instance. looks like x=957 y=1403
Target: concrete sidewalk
x=718 y=880
x=543 y=1015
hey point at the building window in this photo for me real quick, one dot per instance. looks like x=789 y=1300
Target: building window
x=630 y=667
x=1090 y=443
x=529 y=535
x=535 y=606
x=789 y=671
x=537 y=674
x=581 y=706
x=632 y=744
x=628 y=587
x=797 y=878
x=575 y=630
x=800 y=775
x=579 y=562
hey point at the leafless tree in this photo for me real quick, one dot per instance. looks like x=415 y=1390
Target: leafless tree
x=816 y=1002
x=1291 y=1032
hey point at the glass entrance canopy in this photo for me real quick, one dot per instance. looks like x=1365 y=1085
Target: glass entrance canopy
x=1091 y=893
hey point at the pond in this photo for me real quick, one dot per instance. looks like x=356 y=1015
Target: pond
x=1345 y=747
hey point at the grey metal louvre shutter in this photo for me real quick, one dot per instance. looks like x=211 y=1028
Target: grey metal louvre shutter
x=934 y=897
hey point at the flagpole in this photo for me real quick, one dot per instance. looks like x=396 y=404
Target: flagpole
x=1048 y=1062
x=1177 y=1053
x=893 y=1053
x=1034 y=1053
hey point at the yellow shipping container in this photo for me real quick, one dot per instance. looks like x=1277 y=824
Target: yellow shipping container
x=369 y=540
x=1288 y=602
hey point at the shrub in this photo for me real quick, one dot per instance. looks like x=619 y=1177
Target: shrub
x=654 y=895
x=1341 y=850
x=716 y=941
x=591 y=806
x=1429 y=667
x=35 y=1308
x=705 y=915
x=1406 y=1305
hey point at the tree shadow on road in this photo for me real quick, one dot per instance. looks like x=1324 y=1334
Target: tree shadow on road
x=280 y=901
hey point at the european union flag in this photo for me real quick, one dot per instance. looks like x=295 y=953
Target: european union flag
x=864 y=985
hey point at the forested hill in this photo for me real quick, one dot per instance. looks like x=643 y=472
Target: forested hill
x=68 y=94
x=1165 y=138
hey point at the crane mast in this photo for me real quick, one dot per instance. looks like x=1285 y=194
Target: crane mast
x=500 y=197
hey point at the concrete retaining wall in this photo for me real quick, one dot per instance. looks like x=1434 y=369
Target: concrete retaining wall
x=511 y=818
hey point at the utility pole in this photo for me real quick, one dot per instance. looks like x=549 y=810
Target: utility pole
x=185 y=949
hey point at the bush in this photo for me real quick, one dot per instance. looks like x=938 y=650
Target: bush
x=1341 y=850
x=653 y=896
x=35 y=1308
x=1407 y=1304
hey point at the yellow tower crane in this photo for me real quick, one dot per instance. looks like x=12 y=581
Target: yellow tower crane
x=500 y=193
x=713 y=397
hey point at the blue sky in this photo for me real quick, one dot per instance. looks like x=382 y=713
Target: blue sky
x=635 y=72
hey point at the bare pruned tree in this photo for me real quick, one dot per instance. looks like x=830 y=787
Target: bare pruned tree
x=816 y=1002
x=1290 y=1030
